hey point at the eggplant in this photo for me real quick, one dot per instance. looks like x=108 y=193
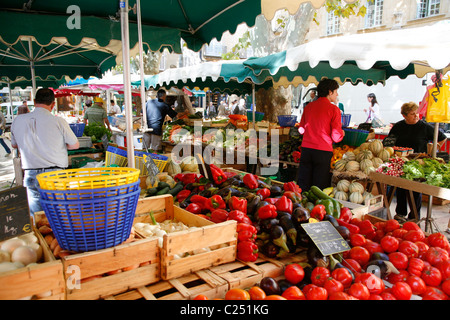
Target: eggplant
x=282 y=214
x=270 y=250
x=332 y=220
x=270 y=286
x=307 y=278
x=288 y=227
x=379 y=256
x=278 y=237
x=238 y=183
x=315 y=257
x=300 y=215
x=303 y=240
x=275 y=191
x=296 y=205
x=344 y=232
x=284 y=284
x=268 y=224
x=252 y=204
x=381 y=268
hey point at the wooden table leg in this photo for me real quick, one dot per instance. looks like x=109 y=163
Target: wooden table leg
x=387 y=200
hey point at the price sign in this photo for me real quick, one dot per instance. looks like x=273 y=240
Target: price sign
x=325 y=236
x=14 y=213
x=105 y=141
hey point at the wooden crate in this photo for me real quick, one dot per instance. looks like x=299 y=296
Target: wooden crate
x=93 y=267
x=186 y=287
x=221 y=238
x=44 y=278
x=240 y=274
x=89 y=275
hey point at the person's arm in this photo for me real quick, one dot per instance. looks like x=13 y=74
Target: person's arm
x=107 y=123
x=73 y=146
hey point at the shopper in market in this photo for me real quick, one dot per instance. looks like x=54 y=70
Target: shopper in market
x=411 y=132
x=222 y=109
x=96 y=114
x=374 y=108
x=42 y=140
x=114 y=108
x=157 y=110
x=23 y=108
x=320 y=126
x=2 y=129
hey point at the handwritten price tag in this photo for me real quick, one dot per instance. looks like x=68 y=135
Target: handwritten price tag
x=14 y=213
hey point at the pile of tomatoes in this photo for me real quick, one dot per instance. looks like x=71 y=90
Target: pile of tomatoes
x=422 y=262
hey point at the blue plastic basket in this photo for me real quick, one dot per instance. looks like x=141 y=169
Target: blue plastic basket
x=345 y=119
x=88 y=194
x=77 y=128
x=93 y=224
x=287 y=121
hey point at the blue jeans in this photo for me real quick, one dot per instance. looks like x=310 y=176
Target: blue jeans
x=32 y=184
x=3 y=143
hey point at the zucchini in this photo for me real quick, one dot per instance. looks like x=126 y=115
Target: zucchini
x=322 y=195
x=152 y=191
x=162 y=185
x=174 y=191
x=163 y=191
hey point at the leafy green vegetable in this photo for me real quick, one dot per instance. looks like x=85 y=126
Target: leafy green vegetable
x=96 y=131
x=429 y=171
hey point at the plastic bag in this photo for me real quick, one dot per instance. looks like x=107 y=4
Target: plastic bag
x=438 y=103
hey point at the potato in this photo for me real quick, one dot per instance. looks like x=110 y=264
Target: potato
x=53 y=244
x=49 y=238
x=44 y=230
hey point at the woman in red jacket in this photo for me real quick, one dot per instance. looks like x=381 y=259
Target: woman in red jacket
x=320 y=126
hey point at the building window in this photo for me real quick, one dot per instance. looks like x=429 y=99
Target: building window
x=374 y=15
x=214 y=49
x=333 y=24
x=427 y=8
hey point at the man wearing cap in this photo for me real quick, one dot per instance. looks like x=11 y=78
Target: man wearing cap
x=43 y=141
x=96 y=114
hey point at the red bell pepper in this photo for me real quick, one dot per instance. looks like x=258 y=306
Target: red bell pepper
x=272 y=200
x=246 y=232
x=296 y=155
x=186 y=178
x=183 y=194
x=293 y=195
x=219 y=215
x=268 y=211
x=318 y=212
x=216 y=202
x=218 y=175
x=194 y=208
x=239 y=216
x=366 y=227
x=230 y=174
x=264 y=193
x=247 y=251
x=203 y=202
x=345 y=214
x=284 y=204
x=292 y=186
x=251 y=181
x=350 y=226
x=236 y=203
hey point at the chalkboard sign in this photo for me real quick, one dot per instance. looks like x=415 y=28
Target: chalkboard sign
x=326 y=237
x=14 y=213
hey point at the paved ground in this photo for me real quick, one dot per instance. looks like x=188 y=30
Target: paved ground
x=440 y=213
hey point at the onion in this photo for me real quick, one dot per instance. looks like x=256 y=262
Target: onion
x=24 y=254
x=12 y=244
x=36 y=247
x=7 y=266
x=29 y=238
x=5 y=256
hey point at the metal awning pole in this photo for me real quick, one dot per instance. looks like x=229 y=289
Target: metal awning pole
x=33 y=74
x=141 y=66
x=127 y=81
x=10 y=100
x=254 y=106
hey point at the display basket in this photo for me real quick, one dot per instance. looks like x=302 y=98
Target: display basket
x=354 y=137
x=92 y=224
x=287 y=121
x=88 y=194
x=116 y=156
x=258 y=116
x=87 y=178
x=77 y=128
x=158 y=159
x=345 y=119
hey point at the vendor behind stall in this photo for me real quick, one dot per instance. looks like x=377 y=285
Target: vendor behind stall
x=157 y=110
x=96 y=114
x=411 y=132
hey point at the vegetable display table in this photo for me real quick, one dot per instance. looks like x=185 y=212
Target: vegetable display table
x=383 y=180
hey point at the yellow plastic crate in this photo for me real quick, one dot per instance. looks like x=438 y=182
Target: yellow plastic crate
x=87 y=178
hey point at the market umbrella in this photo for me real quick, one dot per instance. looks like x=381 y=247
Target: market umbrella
x=26 y=58
x=369 y=58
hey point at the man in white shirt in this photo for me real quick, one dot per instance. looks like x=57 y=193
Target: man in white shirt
x=43 y=141
x=114 y=109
